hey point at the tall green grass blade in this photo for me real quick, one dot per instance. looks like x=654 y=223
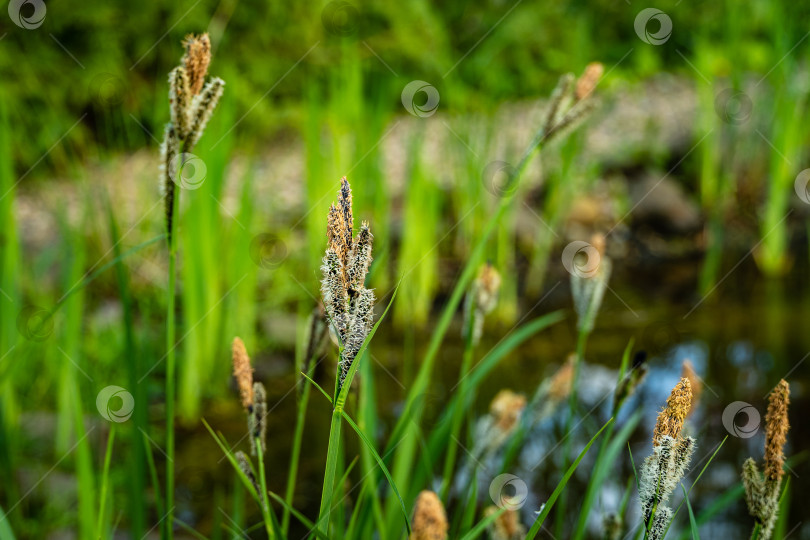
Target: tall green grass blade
x=6 y=533
x=716 y=506
x=105 y=483
x=382 y=466
x=334 y=429
x=137 y=472
x=482 y=525
x=561 y=486
x=608 y=452
x=693 y=528
x=153 y=475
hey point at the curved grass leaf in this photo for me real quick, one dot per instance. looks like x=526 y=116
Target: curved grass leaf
x=556 y=493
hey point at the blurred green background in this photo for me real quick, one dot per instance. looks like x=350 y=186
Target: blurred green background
x=314 y=92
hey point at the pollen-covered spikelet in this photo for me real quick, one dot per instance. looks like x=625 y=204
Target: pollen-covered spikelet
x=429 y=518
x=348 y=304
x=776 y=428
x=670 y=420
x=588 y=81
x=762 y=492
x=180 y=100
x=242 y=372
x=696 y=384
x=196 y=60
x=660 y=472
x=202 y=108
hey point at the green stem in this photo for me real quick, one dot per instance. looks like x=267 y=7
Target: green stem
x=170 y=366
x=458 y=412
x=296 y=450
x=105 y=480
x=265 y=504
x=582 y=338
x=331 y=468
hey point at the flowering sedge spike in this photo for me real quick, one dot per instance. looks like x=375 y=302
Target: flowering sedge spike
x=179 y=99
x=588 y=289
x=559 y=97
x=348 y=304
x=688 y=372
x=762 y=492
x=169 y=150
x=670 y=419
x=202 y=107
x=192 y=102
x=776 y=428
x=257 y=418
x=243 y=373
x=507 y=526
x=481 y=300
x=429 y=518
x=196 y=60
x=571 y=102
x=660 y=472
x=588 y=81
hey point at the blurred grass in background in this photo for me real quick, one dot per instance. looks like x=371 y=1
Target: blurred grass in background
x=88 y=88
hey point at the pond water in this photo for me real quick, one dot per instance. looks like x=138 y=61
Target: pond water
x=742 y=337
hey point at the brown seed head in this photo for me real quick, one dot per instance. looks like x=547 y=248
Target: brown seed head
x=487 y=286
x=507 y=526
x=776 y=428
x=589 y=79
x=670 y=420
x=688 y=372
x=429 y=518
x=242 y=372
x=561 y=381
x=336 y=231
x=196 y=60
